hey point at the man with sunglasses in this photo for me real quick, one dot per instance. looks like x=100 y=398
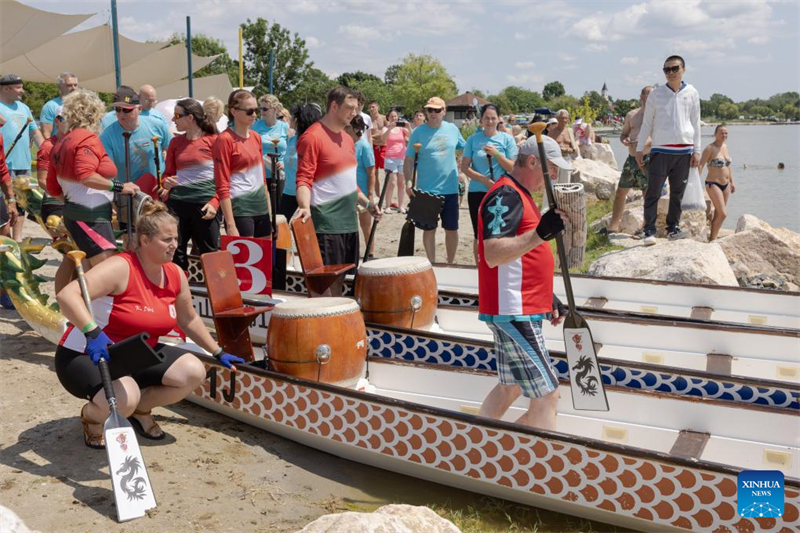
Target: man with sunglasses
x=437 y=173
x=143 y=129
x=672 y=122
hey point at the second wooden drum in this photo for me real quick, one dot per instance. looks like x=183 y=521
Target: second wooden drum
x=397 y=291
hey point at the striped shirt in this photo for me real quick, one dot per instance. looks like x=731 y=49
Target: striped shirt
x=326 y=164
x=239 y=173
x=192 y=161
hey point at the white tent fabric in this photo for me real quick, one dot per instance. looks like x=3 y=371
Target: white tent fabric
x=88 y=54
x=218 y=85
x=157 y=69
x=24 y=28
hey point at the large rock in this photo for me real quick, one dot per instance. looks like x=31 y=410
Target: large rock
x=597 y=177
x=387 y=519
x=760 y=258
x=632 y=220
x=685 y=261
x=748 y=222
x=11 y=523
x=602 y=152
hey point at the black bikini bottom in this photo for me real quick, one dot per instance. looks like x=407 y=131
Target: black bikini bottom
x=721 y=186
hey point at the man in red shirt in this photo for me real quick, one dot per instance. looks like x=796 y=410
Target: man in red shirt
x=326 y=180
x=515 y=286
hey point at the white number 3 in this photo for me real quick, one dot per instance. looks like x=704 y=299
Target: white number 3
x=254 y=255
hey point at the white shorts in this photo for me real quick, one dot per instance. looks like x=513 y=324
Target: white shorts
x=393 y=165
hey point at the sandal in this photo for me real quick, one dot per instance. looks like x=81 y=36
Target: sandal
x=92 y=440
x=155 y=432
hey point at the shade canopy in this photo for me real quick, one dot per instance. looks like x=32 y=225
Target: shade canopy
x=24 y=28
x=218 y=85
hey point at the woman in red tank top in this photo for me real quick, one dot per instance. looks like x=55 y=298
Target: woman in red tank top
x=135 y=291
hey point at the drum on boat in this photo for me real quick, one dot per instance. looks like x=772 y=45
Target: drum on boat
x=320 y=339
x=284 y=241
x=397 y=291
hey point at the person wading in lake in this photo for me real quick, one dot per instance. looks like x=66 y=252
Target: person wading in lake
x=672 y=121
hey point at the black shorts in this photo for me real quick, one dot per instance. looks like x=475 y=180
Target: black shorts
x=93 y=238
x=256 y=226
x=81 y=377
x=448 y=214
x=288 y=206
x=3 y=210
x=51 y=209
x=474 y=200
x=338 y=248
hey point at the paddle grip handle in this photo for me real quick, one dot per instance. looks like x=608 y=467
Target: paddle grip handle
x=157 y=159
x=491 y=167
x=77 y=257
x=537 y=129
x=108 y=386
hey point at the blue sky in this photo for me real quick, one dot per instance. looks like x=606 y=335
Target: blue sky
x=744 y=49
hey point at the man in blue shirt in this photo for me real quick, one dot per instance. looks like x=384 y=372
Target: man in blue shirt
x=67 y=82
x=142 y=129
x=437 y=173
x=16 y=115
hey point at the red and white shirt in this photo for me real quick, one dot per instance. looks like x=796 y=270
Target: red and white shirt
x=523 y=287
x=239 y=172
x=192 y=161
x=142 y=306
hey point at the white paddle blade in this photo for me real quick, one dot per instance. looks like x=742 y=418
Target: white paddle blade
x=586 y=384
x=133 y=492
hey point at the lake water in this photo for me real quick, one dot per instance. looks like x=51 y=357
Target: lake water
x=762 y=190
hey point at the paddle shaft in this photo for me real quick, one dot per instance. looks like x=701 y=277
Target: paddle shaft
x=105 y=374
x=407 y=234
x=551 y=198
x=129 y=221
x=19 y=136
x=491 y=167
x=375 y=220
x=157 y=159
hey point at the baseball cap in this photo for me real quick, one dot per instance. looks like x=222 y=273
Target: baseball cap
x=125 y=97
x=10 y=79
x=551 y=150
x=552 y=121
x=436 y=103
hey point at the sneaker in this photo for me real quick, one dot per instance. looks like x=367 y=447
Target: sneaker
x=639 y=235
x=5 y=302
x=649 y=240
x=390 y=210
x=404 y=210
x=677 y=234
x=602 y=231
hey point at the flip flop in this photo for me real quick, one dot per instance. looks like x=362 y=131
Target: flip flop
x=140 y=428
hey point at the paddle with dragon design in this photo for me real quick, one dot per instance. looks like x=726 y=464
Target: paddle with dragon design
x=586 y=384
x=133 y=493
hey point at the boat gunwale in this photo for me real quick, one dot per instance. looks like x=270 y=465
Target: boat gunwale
x=486 y=422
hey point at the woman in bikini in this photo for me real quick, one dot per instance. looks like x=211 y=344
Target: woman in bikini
x=719 y=181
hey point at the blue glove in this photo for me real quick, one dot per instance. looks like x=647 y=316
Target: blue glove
x=228 y=360
x=97 y=345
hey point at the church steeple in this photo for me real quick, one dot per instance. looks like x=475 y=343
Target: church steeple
x=604 y=91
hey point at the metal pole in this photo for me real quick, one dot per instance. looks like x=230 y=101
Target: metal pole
x=189 y=54
x=271 y=64
x=115 y=34
x=241 y=61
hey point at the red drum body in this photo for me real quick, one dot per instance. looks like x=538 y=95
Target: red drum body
x=397 y=291
x=319 y=339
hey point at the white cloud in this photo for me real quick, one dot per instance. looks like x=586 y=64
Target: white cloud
x=524 y=64
x=520 y=36
x=759 y=39
x=525 y=79
x=566 y=57
x=313 y=42
x=594 y=47
x=304 y=6
x=629 y=60
x=358 y=32
x=614 y=27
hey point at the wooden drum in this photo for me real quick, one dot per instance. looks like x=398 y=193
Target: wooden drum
x=319 y=339
x=397 y=291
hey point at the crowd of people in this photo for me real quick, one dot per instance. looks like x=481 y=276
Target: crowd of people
x=217 y=172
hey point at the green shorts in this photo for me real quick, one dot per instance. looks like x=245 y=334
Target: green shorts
x=632 y=176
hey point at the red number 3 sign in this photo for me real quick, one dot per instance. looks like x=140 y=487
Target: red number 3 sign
x=253 y=260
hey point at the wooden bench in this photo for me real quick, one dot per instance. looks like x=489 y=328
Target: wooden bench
x=231 y=317
x=321 y=279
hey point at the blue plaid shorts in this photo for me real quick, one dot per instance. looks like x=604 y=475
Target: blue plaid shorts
x=522 y=357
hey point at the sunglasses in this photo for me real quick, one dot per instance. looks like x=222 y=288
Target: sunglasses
x=433 y=110
x=674 y=69
x=124 y=110
x=249 y=112
x=178 y=116
x=265 y=109
x=59 y=118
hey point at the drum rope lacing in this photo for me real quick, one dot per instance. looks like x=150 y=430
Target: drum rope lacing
x=322 y=356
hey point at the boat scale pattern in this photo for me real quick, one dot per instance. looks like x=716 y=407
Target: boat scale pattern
x=462 y=354
x=654 y=493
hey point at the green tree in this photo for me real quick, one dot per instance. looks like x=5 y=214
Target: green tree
x=478 y=93
x=521 y=100
x=312 y=89
x=623 y=107
x=205 y=46
x=291 y=58
x=552 y=90
x=352 y=79
x=761 y=111
x=566 y=101
x=599 y=104
x=502 y=102
x=728 y=111
x=390 y=76
x=792 y=112
x=419 y=78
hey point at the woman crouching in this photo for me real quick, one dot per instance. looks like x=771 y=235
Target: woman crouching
x=134 y=291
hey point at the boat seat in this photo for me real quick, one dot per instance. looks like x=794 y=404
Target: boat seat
x=701 y=313
x=596 y=302
x=321 y=279
x=719 y=363
x=231 y=317
x=689 y=444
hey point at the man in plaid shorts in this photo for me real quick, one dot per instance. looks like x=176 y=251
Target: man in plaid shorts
x=515 y=284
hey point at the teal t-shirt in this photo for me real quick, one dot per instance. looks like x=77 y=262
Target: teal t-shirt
x=290 y=168
x=16 y=114
x=152 y=113
x=108 y=119
x=365 y=158
x=48 y=113
x=437 y=172
x=474 y=149
x=280 y=131
x=141 y=147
